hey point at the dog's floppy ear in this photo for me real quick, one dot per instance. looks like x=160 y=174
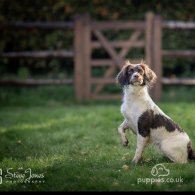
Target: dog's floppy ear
x=122 y=77
x=149 y=74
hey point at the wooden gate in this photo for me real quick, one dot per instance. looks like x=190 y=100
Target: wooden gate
x=90 y=36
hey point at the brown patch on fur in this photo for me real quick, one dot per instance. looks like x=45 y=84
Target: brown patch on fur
x=122 y=77
x=163 y=121
x=144 y=123
x=149 y=74
x=148 y=120
x=191 y=153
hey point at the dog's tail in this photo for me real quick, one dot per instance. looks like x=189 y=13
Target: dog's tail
x=191 y=152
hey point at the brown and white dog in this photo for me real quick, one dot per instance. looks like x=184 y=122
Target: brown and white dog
x=146 y=119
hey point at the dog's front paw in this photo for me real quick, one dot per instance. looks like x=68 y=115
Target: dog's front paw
x=125 y=142
x=135 y=160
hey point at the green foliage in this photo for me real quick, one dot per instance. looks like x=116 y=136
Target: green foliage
x=49 y=10
x=65 y=10
x=23 y=73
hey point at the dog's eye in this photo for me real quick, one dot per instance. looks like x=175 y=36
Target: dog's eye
x=130 y=71
x=140 y=71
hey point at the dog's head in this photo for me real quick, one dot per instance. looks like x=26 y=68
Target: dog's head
x=136 y=75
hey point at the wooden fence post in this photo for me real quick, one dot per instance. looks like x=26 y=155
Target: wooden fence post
x=87 y=55
x=149 y=38
x=82 y=57
x=157 y=57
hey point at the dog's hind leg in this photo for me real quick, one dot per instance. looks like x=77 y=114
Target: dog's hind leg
x=121 y=131
x=175 y=150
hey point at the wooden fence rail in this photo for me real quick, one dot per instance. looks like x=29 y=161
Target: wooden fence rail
x=38 y=25
x=37 y=54
x=145 y=34
x=35 y=82
x=174 y=25
x=178 y=25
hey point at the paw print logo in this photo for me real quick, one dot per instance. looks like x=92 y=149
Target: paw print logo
x=160 y=170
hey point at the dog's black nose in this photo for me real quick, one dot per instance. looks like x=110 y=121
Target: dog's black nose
x=135 y=76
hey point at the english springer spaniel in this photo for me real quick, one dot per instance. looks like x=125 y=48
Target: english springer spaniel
x=146 y=119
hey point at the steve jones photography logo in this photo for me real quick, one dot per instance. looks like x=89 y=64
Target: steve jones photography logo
x=20 y=175
x=160 y=174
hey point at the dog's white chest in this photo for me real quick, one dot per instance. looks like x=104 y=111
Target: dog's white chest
x=131 y=113
x=135 y=102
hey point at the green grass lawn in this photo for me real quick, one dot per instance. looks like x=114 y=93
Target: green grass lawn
x=75 y=147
